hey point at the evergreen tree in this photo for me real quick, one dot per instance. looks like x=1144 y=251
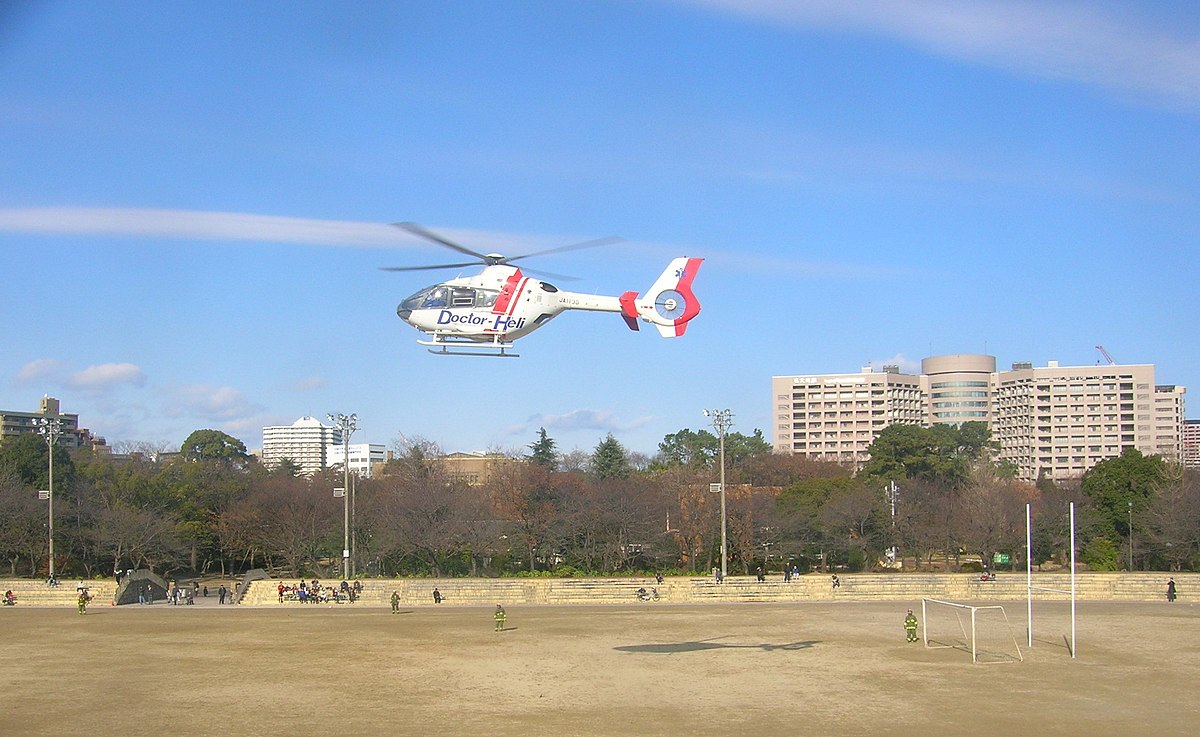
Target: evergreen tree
x=543 y=450
x=610 y=461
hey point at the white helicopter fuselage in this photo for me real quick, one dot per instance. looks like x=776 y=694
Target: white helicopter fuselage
x=501 y=304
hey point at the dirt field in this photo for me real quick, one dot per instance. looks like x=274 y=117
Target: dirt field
x=652 y=669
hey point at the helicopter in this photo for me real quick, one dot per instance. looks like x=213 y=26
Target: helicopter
x=483 y=315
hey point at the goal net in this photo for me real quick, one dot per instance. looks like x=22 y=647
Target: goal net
x=982 y=631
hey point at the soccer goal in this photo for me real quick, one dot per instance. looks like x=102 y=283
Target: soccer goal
x=1030 y=588
x=983 y=631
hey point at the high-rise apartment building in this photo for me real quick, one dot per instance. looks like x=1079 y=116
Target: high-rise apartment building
x=1190 y=453
x=305 y=443
x=837 y=416
x=1054 y=421
x=14 y=422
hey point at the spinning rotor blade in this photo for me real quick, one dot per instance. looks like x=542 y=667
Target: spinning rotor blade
x=606 y=241
x=417 y=230
x=428 y=268
x=492 y=259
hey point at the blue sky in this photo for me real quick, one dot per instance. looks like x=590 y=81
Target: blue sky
x=194 y=200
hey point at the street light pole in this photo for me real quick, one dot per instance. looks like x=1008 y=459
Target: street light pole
x=722 y=419
x=892 y=492
x=348 y=424
x=50 y=429
x=1130 y=502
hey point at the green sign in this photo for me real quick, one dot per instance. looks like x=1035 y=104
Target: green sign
x=1000 y=558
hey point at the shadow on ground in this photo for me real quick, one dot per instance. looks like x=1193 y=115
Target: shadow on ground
x=696 y=646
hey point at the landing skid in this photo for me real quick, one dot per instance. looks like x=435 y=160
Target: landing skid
x=446 y=345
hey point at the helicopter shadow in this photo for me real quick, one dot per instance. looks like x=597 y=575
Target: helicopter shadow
x=669 y=648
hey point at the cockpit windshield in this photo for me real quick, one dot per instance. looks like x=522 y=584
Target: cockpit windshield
x=440 y=295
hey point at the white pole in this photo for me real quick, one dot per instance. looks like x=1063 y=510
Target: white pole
x=924 y=627
x=1028 y=575
x=974 y=655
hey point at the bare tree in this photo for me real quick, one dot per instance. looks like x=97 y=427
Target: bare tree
x=1173 y=518
x=991 y=512
x=144 y=537
x=22 y=524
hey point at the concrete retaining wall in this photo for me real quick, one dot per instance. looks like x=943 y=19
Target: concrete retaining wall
x=814 y=587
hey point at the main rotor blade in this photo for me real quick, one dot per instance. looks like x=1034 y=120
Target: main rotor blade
x=606 y=241
x=417 y=230
x=428 y=268
x=550 y=274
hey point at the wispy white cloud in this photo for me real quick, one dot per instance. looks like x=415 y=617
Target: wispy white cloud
x=906 y=364
x=239 y=226
x=198 y=225
x=98 y=378
x=310 y=383
x=49 y=370
x=211 y=403
x=106 y=376
x=1080 y=41
x=580 y=419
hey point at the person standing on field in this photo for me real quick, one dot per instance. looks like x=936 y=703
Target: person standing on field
x=500 y=616
x=1170 y=589
x=910 y=626
x=395 y=602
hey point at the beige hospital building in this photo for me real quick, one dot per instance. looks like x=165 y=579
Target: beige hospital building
x=1053 y=421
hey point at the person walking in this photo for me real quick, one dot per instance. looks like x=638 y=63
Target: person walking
x=910 y=626
x=500 y=616
x=83 y=600
x=837 y=582
x=1170 y=589
x=437 y=596
x=395 y=602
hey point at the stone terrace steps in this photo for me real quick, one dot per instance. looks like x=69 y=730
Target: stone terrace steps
x=37 y=593
x=959 y=587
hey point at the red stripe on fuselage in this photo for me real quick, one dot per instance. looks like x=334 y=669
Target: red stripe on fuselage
x=512 y=306
x=508 y=294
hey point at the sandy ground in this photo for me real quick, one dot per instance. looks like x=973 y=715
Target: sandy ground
x=652 y=669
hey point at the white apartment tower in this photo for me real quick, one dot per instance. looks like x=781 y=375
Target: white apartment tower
x=1054 y=421
x=836 y=417
x=305 y=442
x=1190 y=451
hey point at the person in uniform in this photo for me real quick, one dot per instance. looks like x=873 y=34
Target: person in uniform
x=910 y=626
x=500 y=616
x=395 y=602
x=83 y=600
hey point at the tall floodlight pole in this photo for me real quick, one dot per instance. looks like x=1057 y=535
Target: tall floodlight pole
x=348 y=424
x=1130 y=535
x=50 y=429
x=722 y=419
x=891 y=495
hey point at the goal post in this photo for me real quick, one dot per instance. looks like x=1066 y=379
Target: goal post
x=1030 y=588
x=983 y=631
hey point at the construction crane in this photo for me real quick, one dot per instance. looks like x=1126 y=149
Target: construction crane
x=1105 y=354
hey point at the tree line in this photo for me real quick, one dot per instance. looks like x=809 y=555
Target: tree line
x=935 y=496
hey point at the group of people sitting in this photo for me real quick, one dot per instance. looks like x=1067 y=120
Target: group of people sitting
x=318 y=593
